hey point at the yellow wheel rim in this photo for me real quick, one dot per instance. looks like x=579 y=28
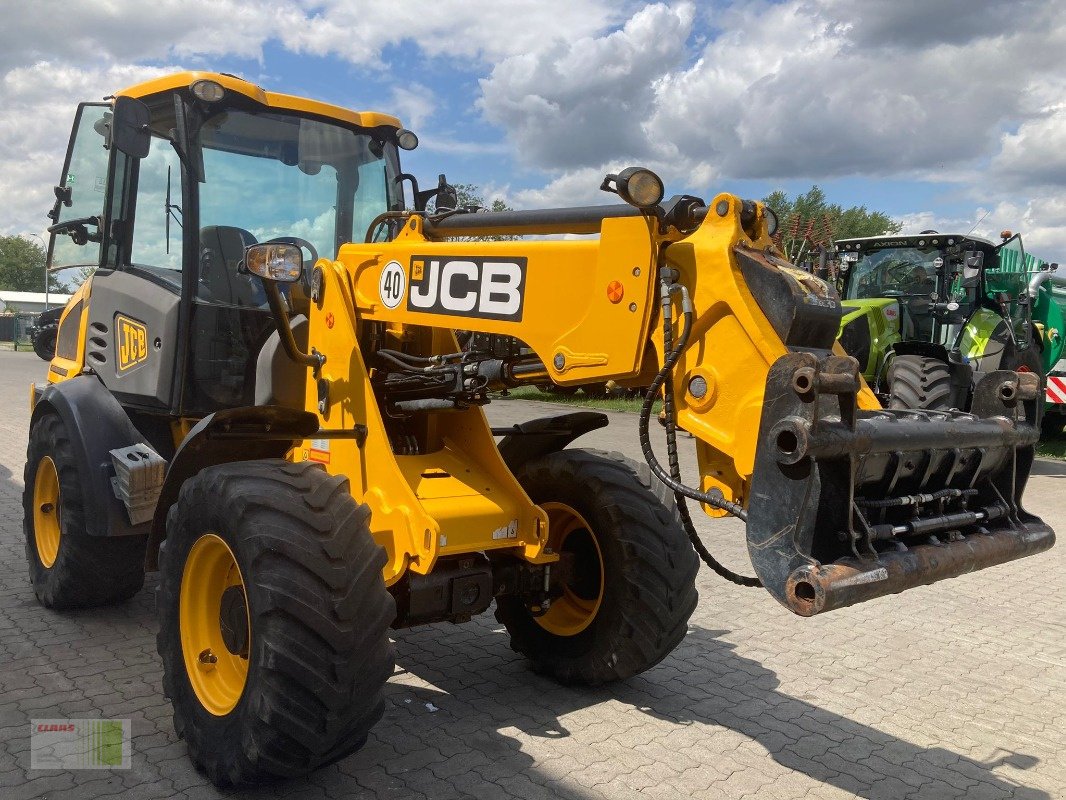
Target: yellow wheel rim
x=46 y=527
x=569 y=532
x=215 y=624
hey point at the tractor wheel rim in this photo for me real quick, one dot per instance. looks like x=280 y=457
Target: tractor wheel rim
x=582 y=597
x=46 y=506
x=214 y=645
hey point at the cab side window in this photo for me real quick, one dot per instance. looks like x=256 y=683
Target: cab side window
x=85 y=178
x=157 y=234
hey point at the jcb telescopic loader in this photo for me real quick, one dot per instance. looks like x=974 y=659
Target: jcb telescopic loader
x=260 y=394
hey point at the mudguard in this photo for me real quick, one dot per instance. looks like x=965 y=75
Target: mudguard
x=97 y=424
x=235 y=434
x=544 y=435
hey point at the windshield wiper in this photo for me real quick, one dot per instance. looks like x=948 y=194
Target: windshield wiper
x=170 y=210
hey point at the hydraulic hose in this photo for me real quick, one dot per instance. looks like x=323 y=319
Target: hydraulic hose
x=673 y=478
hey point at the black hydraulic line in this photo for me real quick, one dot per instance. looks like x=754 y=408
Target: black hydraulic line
x=673 y=478
x=915 y=499
x=581 y=219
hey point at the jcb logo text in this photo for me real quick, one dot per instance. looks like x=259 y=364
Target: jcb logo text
x=468 y=287
x=131 y=341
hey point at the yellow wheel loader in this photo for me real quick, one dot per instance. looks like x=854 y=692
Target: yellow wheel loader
x=259 y=393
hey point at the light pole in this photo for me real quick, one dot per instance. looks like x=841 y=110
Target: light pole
x=45 y=246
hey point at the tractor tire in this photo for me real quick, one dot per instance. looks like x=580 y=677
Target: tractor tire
x=918 y=382
x=68 y=568
x=633 y=586
x=1052 y=425
x=274 y=620
x=44 y=342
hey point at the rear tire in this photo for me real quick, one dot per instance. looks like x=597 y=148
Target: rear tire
x=918 y=382
x=304 y=683
x=68 y=568
x=44 y=342
x=648 y=570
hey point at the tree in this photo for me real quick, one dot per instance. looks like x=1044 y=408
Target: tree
x=469 y=195
x=22 y=265
x=808 y=221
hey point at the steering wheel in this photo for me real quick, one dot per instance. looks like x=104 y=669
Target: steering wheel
x=296 y=241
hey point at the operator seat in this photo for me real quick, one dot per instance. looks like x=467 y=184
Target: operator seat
x=221 y=251
x=280 y=381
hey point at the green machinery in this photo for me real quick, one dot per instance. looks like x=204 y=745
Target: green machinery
x=926 y=315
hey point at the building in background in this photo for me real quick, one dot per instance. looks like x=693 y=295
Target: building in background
x=29 y=302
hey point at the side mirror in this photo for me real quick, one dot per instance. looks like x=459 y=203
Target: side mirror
x=129 y=127
x=447 y=196
x=283 y=263
x=971 y=270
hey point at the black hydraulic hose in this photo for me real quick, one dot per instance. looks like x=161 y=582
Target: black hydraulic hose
x=673 y=478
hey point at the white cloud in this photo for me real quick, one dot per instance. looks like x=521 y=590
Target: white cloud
x=935 y=90
x=571 y=103
x=1035 y=155
x=413 y=103
x=39 y=102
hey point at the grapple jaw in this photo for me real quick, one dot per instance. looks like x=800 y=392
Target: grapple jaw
x=848 y=505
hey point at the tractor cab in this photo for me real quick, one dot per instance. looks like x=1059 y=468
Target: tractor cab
x=948 y=298
x=163 y=190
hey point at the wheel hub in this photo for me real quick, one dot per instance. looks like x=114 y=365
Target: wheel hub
x=569 y=533
x=214 y=624
x=233 y=621
x=46 y=522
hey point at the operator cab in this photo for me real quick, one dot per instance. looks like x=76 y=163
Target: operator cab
x=935 y=278
x=161 y=193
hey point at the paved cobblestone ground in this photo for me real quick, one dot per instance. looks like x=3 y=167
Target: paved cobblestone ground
x=951 y=691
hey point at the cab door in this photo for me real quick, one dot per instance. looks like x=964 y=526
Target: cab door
x=75 y=243
x=130 y=310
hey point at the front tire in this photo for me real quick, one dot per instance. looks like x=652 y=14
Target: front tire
x=274 y=620
x=633 y=587
x=917 y=382
x=68 y=568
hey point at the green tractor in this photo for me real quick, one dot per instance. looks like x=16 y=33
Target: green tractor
x=926 y=315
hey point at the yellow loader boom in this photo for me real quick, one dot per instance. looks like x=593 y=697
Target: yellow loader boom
x=845 y=501
x=288 y=429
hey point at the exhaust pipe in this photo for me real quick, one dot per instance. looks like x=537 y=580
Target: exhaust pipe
x=849 y=505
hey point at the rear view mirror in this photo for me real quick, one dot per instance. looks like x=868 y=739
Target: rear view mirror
x=973 y=261
x=129 y=127
x=447 y=196
x=275 y=262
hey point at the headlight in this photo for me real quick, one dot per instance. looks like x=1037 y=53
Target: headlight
x=772 y=222
x=638 y=186
x=208 y=91
x=275 y=262
x=406 y=140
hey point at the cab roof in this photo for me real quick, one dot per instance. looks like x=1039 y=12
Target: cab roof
x=284 y=102
x=909 y=238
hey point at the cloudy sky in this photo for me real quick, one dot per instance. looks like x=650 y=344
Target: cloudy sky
x=940 y=112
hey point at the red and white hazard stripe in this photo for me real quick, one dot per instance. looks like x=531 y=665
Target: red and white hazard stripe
x=1056 y=390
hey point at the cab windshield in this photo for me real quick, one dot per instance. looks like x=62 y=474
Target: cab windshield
x=270 y=176
x=895 y=271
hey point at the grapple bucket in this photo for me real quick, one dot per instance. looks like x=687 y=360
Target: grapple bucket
x=848 y=505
